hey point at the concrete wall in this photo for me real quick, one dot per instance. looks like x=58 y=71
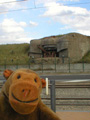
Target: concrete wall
x=78 y=46
x=52 y=68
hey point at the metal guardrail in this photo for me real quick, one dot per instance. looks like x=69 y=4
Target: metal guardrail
x=53 y=94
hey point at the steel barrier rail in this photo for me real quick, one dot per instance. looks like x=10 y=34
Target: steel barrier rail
x=69 y=104
x=53 y=97
x=66 y=98
x=71 y=86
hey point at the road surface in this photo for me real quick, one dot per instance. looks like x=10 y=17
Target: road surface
x=67 y=77
x=63 y=77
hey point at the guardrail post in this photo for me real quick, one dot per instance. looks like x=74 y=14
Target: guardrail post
x=42 y=64
x=5 y=63
x=46 y=86
x=17 y=64
x=69 y=64
x=55 y=63
x=83 y=65
x=52 y=94
x=62 y=58
x=29 y=62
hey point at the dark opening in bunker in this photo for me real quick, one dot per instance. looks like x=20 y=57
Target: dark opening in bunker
x=49 y=50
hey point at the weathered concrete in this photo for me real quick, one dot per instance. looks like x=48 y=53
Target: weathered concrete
x=52 y=68
x=74 y=45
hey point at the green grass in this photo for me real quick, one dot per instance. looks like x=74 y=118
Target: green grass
x=14 y=53
x=86 y=58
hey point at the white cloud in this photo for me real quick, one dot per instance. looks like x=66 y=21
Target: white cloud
x=76 y=18
x=45 y=1
x=50 y=1
x=10 y=26
x=23 y=24
x=13 y=32
x=33 y=24
x=72 y=0
x=5 y=5
x=56 y=9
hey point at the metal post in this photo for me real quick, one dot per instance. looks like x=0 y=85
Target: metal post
x=5 y=63
x=29 y=62
x=17 y=64
x=83 y=65
x=62 y=58
x=42 y=65
x=46 y=86
x=52 y=94
x=69 y=63
x=55 y=63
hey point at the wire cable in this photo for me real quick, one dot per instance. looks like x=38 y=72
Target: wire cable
x=78 y=3
x=12 y=1
x=42 y=7
x=34 y=4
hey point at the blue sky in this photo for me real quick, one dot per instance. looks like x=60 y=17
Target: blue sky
x=24 y=20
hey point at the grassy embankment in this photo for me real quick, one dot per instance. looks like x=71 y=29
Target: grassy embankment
x=14 y=54
x=86 y=58
x=18 y=54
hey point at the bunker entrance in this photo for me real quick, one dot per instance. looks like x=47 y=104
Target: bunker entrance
x=49 y=50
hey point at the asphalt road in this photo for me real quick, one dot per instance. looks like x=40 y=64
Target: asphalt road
x=67 y=77
x=63 y=77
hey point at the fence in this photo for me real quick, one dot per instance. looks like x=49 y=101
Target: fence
x=46 y=65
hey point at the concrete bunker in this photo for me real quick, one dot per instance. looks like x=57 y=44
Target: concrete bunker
x=72 y=45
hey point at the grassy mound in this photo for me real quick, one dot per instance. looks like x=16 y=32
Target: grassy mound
x=14 y=53
x=86 y=58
